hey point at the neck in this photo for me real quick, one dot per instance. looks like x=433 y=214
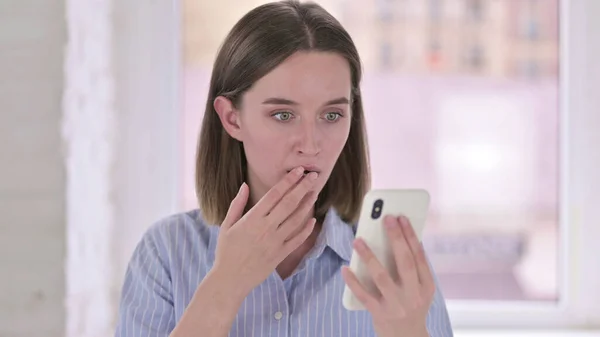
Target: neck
x=287 y=267
x=255 y=197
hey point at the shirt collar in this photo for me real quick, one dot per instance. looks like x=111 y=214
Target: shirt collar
x=335 y=234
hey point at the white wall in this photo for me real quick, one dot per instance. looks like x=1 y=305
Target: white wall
x=120 y=128
x=88 y=141
x=583 y=102
x=147 y=73
x=32 y=174
x=89 y=129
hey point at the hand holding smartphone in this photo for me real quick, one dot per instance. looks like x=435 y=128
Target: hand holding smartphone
x=411 y=203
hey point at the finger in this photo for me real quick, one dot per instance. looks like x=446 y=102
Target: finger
x=236 y=208
x=289 y=203
x=371 y=303
x=424 y=274
x=277 y=192
x=381 y=277
x=296 y=241
x=405 y=261
x=293 y=224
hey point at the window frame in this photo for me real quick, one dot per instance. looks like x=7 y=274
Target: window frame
x=579 y=305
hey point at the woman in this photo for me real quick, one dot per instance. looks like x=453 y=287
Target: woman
x=282 y=167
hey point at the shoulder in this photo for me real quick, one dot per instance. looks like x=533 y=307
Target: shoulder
x=176 y=236
x=180 y=226
x=167 y=250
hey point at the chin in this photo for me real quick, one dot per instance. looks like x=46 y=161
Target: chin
x=321 y=181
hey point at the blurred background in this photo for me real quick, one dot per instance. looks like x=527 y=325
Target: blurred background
x=488 y=104
x=461 y=98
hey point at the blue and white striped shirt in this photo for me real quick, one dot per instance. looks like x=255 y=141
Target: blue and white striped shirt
x=176 y=253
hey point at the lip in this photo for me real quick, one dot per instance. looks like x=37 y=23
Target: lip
x=309 y=168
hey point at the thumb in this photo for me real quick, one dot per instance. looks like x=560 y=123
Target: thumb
x=236 y=208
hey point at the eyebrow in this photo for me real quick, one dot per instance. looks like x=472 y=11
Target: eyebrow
x=285 y=101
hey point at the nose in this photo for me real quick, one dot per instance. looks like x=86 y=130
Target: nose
x=308 y=140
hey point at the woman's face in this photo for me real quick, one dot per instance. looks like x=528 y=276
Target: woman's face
x=296 y=115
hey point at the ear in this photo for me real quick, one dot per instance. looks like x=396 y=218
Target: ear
x=229 y=117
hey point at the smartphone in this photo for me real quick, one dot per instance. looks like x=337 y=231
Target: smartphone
x=412 y=203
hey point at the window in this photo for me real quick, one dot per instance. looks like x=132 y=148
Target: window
x=470 y=111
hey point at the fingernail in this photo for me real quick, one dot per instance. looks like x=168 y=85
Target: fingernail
x=313 y=176
x=241 y=188
x=403 y=221
x=299 y=171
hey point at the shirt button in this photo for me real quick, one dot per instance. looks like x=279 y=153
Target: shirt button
x=278 y=315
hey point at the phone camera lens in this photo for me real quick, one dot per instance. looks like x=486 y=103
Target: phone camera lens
x=377 y=208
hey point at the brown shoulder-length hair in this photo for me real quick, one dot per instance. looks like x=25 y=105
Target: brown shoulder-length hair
x=259 y=42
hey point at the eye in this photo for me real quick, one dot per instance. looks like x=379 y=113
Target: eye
x=283 y=116
x=332 y=116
